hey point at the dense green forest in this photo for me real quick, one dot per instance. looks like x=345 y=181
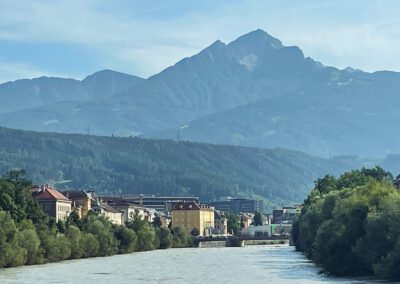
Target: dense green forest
x=350 y=226
x=29 y=236
x=114 y=166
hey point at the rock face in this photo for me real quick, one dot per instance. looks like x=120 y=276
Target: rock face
x=253 y=91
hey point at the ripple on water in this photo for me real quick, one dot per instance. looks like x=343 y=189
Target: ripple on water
x=253 y=264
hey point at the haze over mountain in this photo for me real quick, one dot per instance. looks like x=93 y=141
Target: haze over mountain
x=253 y=91
x=131 y=165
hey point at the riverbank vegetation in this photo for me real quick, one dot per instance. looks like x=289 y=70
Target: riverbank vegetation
x=28 y=236
x=350 y=225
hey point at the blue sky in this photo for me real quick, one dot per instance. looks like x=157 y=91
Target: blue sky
x=73 y=38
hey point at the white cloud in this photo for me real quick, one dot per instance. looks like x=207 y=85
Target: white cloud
x=362 y=34
x=14 y=71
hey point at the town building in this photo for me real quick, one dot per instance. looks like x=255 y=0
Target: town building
x=253 y=231
x=286 y=215
x=112 y=214
x=246 y=219
x=268 y=230
x=53 y=203
x=190 y=215
x=238 y=205
x=81 y=201
x=128 y=208
x=220 y=223
x=160 y=203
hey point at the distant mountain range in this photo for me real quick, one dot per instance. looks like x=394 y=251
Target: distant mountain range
x=253 y=91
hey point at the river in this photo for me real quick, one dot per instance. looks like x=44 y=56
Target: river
x=251 y=264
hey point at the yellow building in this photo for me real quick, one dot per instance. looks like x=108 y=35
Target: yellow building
x=81 y=201
x=193 y=215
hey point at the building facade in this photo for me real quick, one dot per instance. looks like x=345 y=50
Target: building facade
x=161 y=203
x=246 y=220
x=128 y=208
x=286 y=215
x=53 y=203
x=239 y=205
x=220 y=223
x=193 y=215
x=112 y=214
x=81 y=201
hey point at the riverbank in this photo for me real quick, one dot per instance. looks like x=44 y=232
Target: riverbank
x=350 y=226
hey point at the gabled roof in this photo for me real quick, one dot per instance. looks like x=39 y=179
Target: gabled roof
x=190 y=206
x=105 y=206
x=109 y=208
x=72 y=194
x=118 y=202
x=218 y=215
x=50 y=194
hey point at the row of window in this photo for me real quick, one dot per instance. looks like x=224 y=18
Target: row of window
x=63 y=208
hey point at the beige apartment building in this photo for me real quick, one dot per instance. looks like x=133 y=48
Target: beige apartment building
x=53 y=202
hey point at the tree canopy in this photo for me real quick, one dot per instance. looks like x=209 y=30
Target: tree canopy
x=351 y=225
x=29 y=236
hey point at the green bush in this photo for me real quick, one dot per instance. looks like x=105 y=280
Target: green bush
x=350 y=226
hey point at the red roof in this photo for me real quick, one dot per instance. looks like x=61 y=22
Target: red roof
x=50 y=194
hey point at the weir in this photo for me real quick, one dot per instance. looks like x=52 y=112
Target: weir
x=240 y=241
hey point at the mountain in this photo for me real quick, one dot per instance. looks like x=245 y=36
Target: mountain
x=353 y=115
x=25 y=94
x=63 y=105
x=113 y=165
x=253 y=91
x=255 y=66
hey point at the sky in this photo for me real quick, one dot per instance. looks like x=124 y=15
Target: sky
x=74 y=38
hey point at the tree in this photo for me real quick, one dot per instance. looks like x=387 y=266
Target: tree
x=180 y=238
x=146 y=236
x=157 y=221
x=195 y=232
x=136 y=222
x=128 y=240
x=61 y=226
x=165 y=237
x=29 y=240
x=355 y=229
x=233 y=223
x=397 y=182
x=11 y=254
x=103 y=231
x=89 y=244
x=326 y=184
x=74 y=235
x=258 y=219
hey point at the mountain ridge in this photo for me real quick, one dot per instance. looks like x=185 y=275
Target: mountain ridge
x=236 y=80
x=131 y=165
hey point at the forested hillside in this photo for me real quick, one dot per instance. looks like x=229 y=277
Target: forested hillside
x=112 y=165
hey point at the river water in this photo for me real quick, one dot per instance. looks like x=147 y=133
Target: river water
x=251 y=264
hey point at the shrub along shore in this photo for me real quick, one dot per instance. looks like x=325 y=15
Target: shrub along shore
x=350 y=226
x=29 y=236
